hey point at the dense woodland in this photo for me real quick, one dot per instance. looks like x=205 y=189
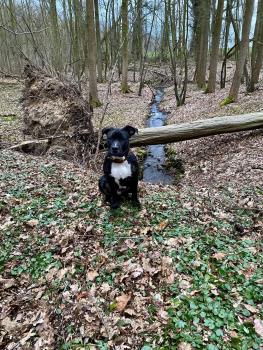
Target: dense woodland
x=97 y=38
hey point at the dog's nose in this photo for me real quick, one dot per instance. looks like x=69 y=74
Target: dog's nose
x=115 y=148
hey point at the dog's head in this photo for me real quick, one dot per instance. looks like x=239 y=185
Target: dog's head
x=118 y=140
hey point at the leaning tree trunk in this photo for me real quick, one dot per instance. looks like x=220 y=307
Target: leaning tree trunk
x=215 y=47
x=233 y=93
x=125 y=59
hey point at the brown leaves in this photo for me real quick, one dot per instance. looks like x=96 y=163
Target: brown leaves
x=184 y=346
x=122 y=301
x=8 y=324
x=251 y=308
x=32 y=223
x=184 y=284
x=162 y=225
x=219 y=256
x=91 y=275
x=7 y=283
x=258 y=326
x=163 y=315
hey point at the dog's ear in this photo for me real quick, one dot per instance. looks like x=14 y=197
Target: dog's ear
x=105 y=131
x=130 y=130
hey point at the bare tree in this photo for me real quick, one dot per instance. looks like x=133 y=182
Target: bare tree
x=125 y=56
x=257 y=48
x=99 y=53
x=202 y=41
x=93 y=91
x=215 y=46
x=233 y=93
x=178 y=51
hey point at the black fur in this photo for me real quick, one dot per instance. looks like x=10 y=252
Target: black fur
x=118 y=150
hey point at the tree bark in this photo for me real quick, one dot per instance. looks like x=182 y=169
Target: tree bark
x=226 y=38
x=197 y=129
x=202 y=41
x=125 y=58
x=99 y=53
x=91 y=55
x=215 y=47
x=233 y=93
x=56 y=43
x=257 y=48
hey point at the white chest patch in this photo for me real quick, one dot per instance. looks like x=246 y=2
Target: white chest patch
x=120 y=170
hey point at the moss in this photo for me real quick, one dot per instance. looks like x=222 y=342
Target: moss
x=9 y=117
x=95 y=103
x=173 y=163
x=141 y=153
x=126 y=90
x=227 y=100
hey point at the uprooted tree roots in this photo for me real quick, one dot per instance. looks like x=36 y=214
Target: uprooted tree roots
x=53 y=109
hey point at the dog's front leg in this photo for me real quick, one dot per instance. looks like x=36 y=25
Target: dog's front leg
x=113 y=196
x=134 y=192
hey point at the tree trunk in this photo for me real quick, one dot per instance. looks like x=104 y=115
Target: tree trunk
x=197 y=129
x=56 y=44
x=99 y=53
x=165 y=34
x=226 y=38
x=233 y=94
x=202 y=41
x=137 y=32
x=91 y=55
x=194 y=6
x=215 y=47
x=257 y=48
x=125 y=58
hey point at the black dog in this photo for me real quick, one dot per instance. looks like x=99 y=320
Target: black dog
x=120 y=167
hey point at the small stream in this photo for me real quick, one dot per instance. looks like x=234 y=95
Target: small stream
x=154 y=166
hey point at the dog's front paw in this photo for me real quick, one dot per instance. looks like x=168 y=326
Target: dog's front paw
x=115 y=205
x=136 y=203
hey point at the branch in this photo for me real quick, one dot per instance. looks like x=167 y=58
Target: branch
x=22 y=33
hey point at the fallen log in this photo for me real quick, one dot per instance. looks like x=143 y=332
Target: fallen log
x=171 y=133
x=196 y=129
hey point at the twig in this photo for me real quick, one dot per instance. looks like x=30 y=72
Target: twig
x=22 y=33
x=7 y=75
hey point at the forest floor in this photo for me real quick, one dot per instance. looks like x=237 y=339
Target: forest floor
x=184 y=272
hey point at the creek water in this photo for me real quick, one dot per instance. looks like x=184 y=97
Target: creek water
x=154 y=165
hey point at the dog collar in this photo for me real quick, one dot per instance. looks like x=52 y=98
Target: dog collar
x=117 y=159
